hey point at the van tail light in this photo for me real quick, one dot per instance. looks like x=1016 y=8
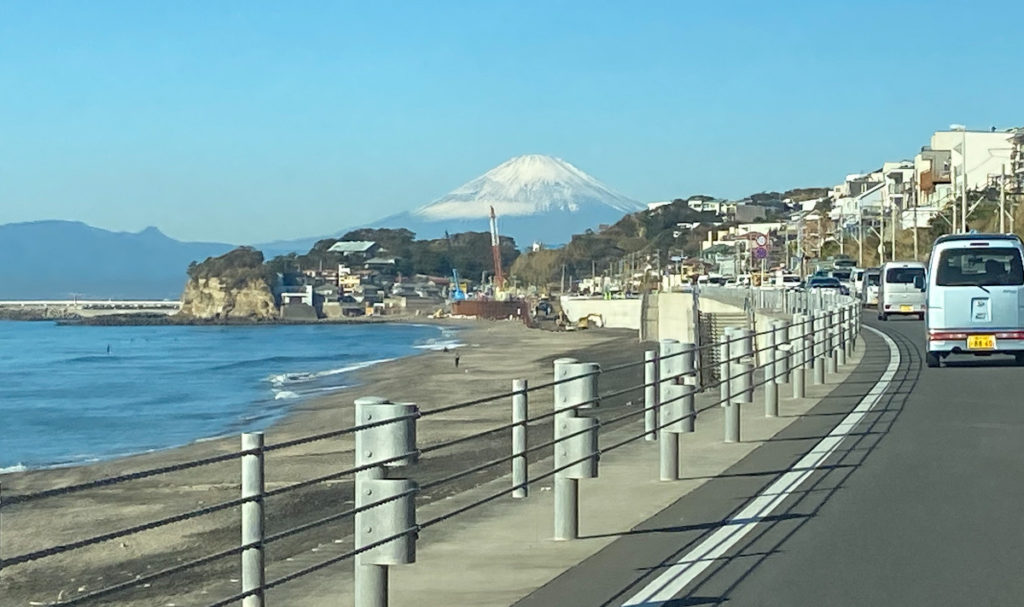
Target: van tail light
x=961 y=335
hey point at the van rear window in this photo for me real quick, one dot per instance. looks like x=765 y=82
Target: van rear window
x=993 y=266
x=903 y=275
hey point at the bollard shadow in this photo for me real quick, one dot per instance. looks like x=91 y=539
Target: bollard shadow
x=687 y=528
x=800 y=507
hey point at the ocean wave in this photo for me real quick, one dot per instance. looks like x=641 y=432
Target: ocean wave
x=94 y=358
x=281 y=379
x=14 y=468
x=439 y=345
x=285 y=395
x=269 y=359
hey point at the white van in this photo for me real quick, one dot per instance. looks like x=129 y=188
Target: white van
x=901 y=289
x=869 y=286
x=975 y=297
x=857 y=281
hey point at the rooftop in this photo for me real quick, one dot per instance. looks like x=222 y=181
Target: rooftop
x=352 y=246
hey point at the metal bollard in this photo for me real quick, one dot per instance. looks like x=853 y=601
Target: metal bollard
x=520 y=413
x=379 y=444
x=818 y=349
x=831 y=318
x=844 y=318
x=807 y=358
x=669 y=408
x=579 y=442
x=689 y=379
x=739 y=375
x=253 y=572
x=651 y=395
x=797 y=370
x=851 y=331
x=771 y=388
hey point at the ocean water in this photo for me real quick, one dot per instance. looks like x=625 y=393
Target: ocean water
x=78 y=394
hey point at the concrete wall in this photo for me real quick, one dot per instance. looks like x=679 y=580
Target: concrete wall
x=675 y=316
x=615 y=313
x=674 y=313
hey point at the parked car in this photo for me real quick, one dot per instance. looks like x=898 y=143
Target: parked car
x=827 y=282
x=975 y=297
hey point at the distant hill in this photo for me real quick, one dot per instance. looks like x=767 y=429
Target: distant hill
x=62 y=259
x=537 y=198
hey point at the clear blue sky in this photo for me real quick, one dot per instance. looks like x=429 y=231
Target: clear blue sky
x=253 y=121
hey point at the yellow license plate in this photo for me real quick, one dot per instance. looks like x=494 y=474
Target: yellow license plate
x=981 y=342
x=906 y=309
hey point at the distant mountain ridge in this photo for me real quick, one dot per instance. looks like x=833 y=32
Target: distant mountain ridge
x=63 y=259
x=536 y=198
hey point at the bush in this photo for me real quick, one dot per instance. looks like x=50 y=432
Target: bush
x=235 y=267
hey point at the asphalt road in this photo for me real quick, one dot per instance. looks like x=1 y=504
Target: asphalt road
x=919 y=504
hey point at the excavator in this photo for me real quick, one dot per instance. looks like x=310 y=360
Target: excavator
x=456 y=293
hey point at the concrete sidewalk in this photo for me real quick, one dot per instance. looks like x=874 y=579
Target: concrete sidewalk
x=498 y=553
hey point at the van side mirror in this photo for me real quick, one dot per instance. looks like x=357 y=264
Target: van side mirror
x=919 y=282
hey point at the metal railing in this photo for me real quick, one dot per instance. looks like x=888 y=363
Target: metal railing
x=818 y=339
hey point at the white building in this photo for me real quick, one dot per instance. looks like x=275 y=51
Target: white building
x=941 y=165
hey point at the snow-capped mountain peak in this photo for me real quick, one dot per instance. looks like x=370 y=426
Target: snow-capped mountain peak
x=533 y=184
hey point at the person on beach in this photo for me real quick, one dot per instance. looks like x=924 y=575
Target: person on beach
x=456 y=360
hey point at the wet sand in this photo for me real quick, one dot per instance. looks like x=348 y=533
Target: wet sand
x=494 y=353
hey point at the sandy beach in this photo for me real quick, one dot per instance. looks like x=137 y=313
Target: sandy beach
x=493 y=354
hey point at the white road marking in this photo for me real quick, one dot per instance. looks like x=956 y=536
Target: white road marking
x=678 y=576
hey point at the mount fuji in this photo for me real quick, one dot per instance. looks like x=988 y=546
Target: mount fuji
x=536 y=198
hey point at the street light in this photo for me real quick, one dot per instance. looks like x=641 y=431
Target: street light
x=963 y=173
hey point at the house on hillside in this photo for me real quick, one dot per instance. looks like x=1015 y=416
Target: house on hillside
x=366 y=248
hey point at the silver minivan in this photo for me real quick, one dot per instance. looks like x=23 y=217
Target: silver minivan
x=976 y=297
x=901 y=289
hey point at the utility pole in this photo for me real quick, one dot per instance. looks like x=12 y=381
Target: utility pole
x=952 y=179
x=860 y=236
x=1002 y=200
x=892 y=209
x=963 y=194
x=917 y=194
x=800 y=245
x=881 y=235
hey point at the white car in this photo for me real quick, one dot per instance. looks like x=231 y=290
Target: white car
x=788 y=281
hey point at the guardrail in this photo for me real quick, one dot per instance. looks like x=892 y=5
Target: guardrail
x=816 y=341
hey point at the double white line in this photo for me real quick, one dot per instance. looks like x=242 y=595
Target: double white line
x=680 y=574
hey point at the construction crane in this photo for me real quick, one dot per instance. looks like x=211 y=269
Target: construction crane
x=499 y=279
